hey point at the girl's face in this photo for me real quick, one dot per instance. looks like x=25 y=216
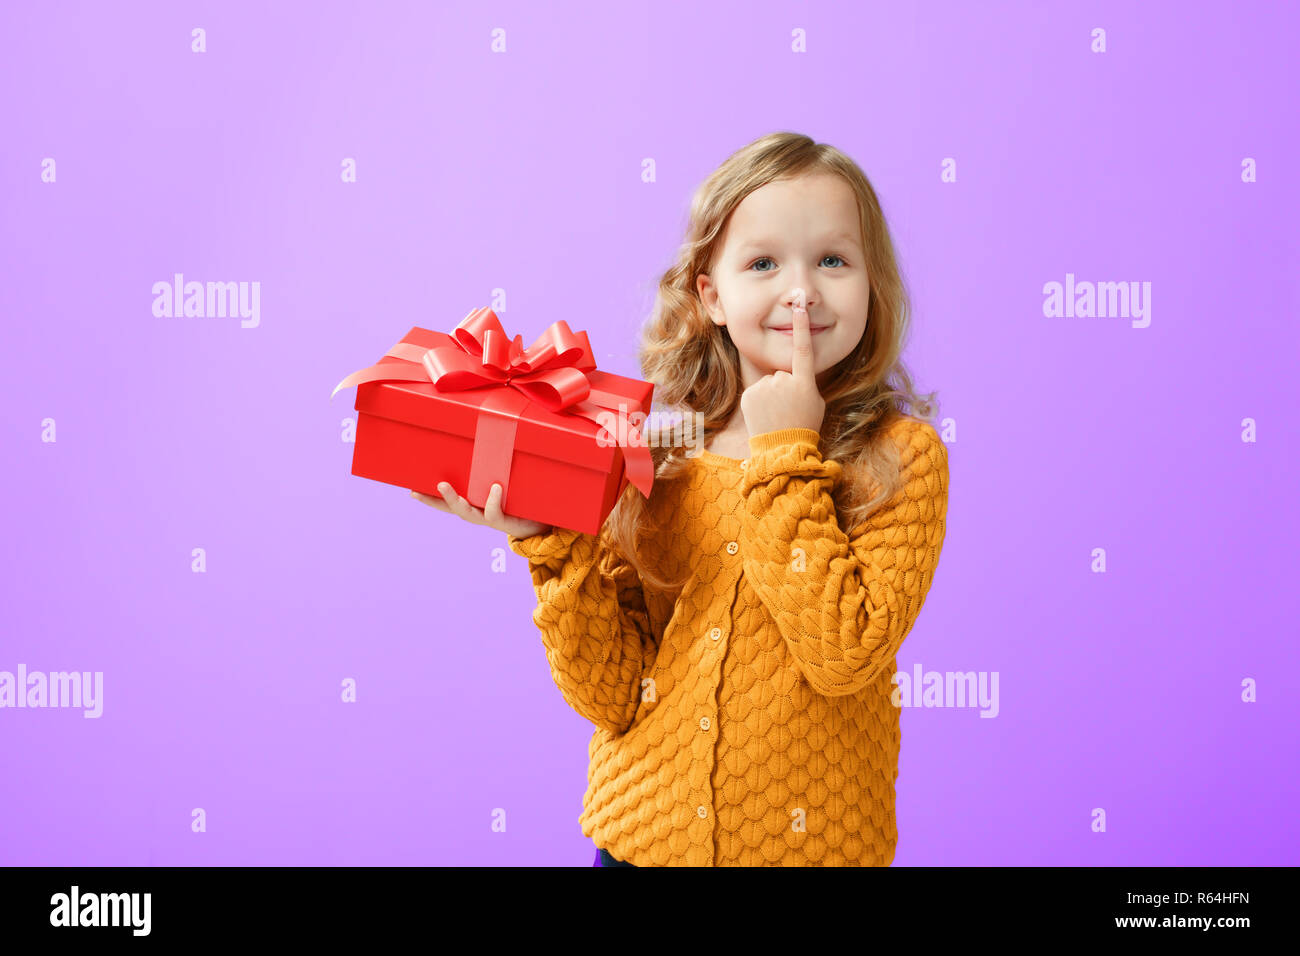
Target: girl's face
x=797 y=233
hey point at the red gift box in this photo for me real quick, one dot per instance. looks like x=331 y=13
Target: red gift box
x=475 y=408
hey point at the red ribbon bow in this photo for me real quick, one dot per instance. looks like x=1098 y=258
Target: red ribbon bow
x=551 y=372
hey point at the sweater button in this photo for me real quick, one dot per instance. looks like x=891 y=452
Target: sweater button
x=732 y=547
x=704 y=723
x=703 y=811
x=715 y=633
x=744 y=463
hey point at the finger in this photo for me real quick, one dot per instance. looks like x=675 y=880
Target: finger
x=801 y=359
x=457 y=504
x=492 y=507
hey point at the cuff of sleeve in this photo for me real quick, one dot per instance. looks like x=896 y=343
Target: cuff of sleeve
x=545 y=546
x=787 y=453
x=785 y=436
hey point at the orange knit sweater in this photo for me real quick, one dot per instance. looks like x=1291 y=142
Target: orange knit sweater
x=745 y=720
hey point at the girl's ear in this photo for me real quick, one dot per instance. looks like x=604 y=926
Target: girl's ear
x=709 y=298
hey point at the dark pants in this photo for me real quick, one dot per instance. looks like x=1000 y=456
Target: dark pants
x=603 y=858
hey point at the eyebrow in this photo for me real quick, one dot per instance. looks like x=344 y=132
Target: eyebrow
x=842 y=237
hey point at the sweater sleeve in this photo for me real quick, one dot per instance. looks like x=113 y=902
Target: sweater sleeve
x=842 y=602
x=595 y=626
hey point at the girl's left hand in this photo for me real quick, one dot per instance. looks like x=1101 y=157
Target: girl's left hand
x=787 y=399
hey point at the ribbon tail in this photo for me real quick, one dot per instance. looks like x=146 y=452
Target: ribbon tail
x=386 y=371
x=640 y=467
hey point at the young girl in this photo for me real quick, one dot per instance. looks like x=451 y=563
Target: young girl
x=733 y=638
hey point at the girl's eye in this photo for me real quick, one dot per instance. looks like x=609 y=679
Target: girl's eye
x=767 y=259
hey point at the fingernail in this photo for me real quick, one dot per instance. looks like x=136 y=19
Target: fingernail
x=800 y=300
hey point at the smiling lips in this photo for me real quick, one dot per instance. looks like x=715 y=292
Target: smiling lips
x=790 y=328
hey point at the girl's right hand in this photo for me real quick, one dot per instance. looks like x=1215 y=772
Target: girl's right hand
x=491 y=514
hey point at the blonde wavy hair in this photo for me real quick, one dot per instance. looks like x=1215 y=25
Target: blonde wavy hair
x=695 y=367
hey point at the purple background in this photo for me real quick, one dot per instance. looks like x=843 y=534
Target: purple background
x=522 y=171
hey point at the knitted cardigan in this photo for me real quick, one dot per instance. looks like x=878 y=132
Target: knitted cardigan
x=745 y=719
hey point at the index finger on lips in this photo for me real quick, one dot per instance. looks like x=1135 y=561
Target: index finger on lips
x=801 y=359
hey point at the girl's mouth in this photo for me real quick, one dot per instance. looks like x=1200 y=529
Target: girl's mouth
x=812 y=331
